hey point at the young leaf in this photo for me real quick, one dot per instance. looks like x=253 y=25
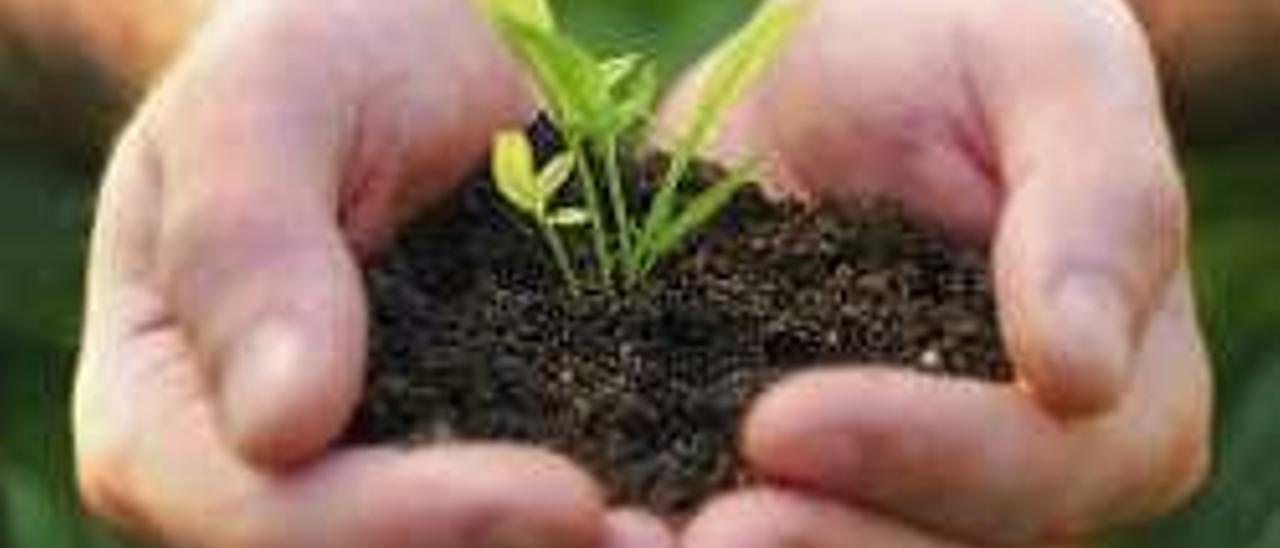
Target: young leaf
x=554 y=175
x=618 y=69
x=735 y=66
x=536 y=13
x=698 y=212
x=569 y=216
x=636 y=98
x=513 y=172
x=742 y=60
x=567 y=76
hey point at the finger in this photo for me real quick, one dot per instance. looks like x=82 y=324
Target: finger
x=637 y=529
x=1094 y=225
x=884 y=116
x=151 y=457
x=150 y=454
x=272 y=176
x=260 y=275
x=772 y=518
x=986 y=461
x=192 y=492
x=449 y=497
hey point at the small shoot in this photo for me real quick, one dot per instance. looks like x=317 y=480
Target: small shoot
x=533 y=193
x=734 y=68
x=604 y=109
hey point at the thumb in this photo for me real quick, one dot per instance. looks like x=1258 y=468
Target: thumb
x=1094 y=225
x=285 y=140
x=260 y=276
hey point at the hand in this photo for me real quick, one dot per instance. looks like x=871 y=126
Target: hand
x=1036 y=128
x=224 y=338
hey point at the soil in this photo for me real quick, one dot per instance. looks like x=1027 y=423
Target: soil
x=474 y=335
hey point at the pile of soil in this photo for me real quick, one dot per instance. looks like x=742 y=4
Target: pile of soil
x=474 y=335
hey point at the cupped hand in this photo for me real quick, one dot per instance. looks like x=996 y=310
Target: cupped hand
x=224 y=337
x=1034 y=128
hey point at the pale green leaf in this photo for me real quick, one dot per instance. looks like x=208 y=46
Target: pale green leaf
x=618 y=69
x=698 y=212
x=555 y=174
x=536 y=13
x=513 y=172
x=567 y=76
x=735 y=67
x=638 y=98
x=569 y=216
x=737 y=64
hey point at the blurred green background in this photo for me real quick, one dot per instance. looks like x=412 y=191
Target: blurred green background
x=53 y=136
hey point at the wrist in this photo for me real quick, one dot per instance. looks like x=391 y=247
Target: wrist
x=129 y=41
x=135 y=39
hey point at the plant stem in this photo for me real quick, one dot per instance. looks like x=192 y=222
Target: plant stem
x=621 y=217
x=599 y=235
x=663 y=207
x=561 y=257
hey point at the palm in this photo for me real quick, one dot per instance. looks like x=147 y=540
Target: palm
x=881 y=98
x=1033 y=128
x=224 y=338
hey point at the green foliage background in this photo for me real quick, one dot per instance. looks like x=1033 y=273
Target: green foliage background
x=48 y=166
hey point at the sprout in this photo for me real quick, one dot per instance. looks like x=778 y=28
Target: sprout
x=603 y=108
x=532 y=193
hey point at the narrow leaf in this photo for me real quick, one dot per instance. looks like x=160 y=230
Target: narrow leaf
x=567 y=76
x=735 y=67
x=742 y=59
x=513 y=171
x=570 y=216
x=638 y=98
x=554 y=175
x=701 y=210
x=618 y=69
x=536 y=13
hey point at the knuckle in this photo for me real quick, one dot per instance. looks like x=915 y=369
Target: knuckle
x=720 y=523
x=1185 y=467
x=1161 y=208
x=1158 y=478
x=106 y=490
x=258 y=533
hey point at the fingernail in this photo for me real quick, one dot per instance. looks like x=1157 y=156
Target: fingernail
x=1097 y=339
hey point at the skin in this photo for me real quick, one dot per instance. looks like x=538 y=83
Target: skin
x=224 y=338
x=132 y=40
x=223 y=344
x=1045 y=141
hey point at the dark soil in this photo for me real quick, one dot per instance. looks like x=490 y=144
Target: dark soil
x=475 y=337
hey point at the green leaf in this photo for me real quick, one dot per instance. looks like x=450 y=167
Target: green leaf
x=554 y=175
x=618 y=69
x=698 y=212
x=637 y=98
x=567 y=76
x=536 y=13
x=570 y=216
x=736 y=65
x=513 y=172
x=742 y=59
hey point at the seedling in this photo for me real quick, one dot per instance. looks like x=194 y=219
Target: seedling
x=532 y=193
x=603 y=108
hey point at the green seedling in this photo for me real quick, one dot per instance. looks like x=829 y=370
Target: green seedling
x=604 y=108
x=532 y=193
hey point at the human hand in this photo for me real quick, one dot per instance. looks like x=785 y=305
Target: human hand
x=224 y=337
x=1035 y=128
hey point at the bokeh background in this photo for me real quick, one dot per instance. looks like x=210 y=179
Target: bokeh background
x=56 y=120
